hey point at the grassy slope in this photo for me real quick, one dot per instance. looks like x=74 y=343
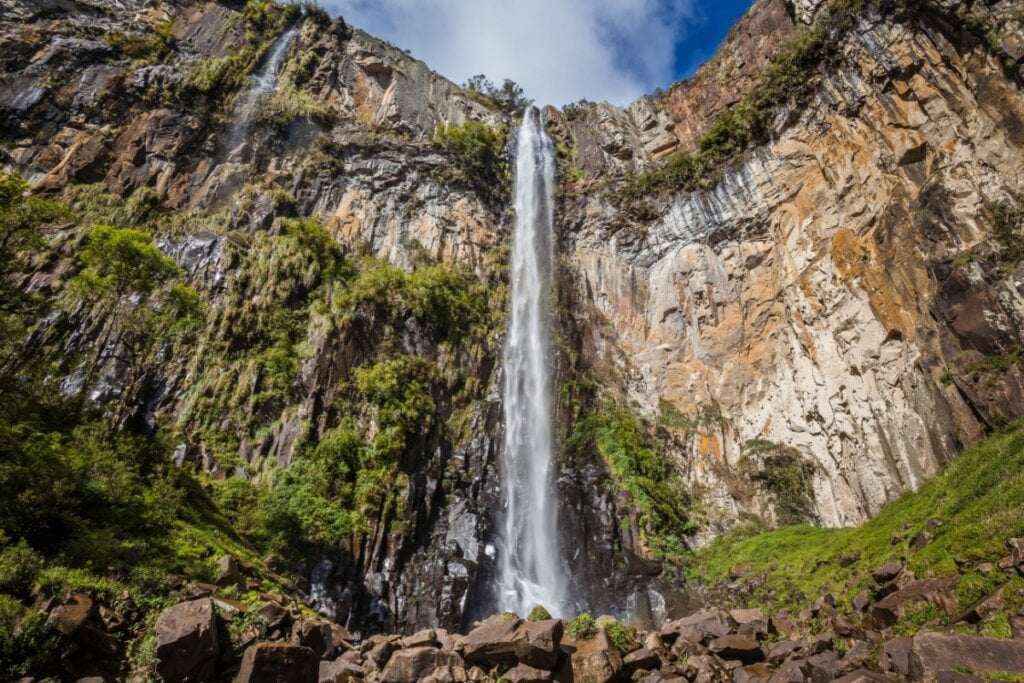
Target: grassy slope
x=979 y=498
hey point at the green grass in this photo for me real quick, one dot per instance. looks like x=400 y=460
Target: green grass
x=979 y=497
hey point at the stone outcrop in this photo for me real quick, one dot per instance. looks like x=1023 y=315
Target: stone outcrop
x=187 y=645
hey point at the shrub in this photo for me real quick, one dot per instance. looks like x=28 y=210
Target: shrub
x=1007 y=218
x=479 y=154
x=539 y=613
x=582 y=627
x=220 y=74
x=621 y=636
x=147 y=47
x=290 y=102
x=19 y=567
x=26 y=640
x=120 y=260
x=786 y=476
x=508 y=97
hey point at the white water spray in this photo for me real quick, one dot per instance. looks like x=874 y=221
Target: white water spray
x=530 y=569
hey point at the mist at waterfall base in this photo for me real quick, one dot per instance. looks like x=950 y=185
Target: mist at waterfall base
x=531 y=571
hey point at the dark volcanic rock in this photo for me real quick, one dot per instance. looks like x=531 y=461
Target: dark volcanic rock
x=410 y=665
x=186 y=642
x=935 y=652
x=735 y=646
x=278 y=663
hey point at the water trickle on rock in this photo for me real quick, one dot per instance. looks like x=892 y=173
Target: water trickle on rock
x=530 y=568
x=262 y=82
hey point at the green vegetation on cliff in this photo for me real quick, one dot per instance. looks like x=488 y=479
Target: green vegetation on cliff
x=479 y=154
x=640 y=467
x=92 y=505
x=967 y=512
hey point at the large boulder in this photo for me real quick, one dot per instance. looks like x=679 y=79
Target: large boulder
x=316 y=635
x=270 y=662
x=186 y=642
x=413 y=664
x=595 y=660
x=936 y=652
x=72 y=613
x=229 y=572
x=938 y=591
x=736 y=646
x=536 y=643
x=492 y=642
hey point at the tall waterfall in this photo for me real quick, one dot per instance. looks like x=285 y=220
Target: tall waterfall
x=530 y=570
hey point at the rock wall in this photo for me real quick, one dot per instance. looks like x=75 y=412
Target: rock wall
x=817 y=295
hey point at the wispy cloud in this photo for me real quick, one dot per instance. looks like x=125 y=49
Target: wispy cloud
x=558 y=50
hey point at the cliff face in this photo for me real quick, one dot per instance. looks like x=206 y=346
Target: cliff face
x=839 y=291
x=841 y=303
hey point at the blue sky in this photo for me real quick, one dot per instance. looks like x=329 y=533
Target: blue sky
x=558 y=50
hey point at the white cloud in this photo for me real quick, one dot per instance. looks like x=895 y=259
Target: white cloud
x=558 y=50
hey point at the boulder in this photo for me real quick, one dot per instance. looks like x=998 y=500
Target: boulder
x=74 y=610
x=274 y=616
x=229 y=573
x=340 y=671
x=898 y=655
x=595 y=660
x=523 y=673
x=935 y=652
x=186 y=642
x=378 y=649
x=887 y=572
x=642 y=659
x=781 y=650
x=426 y=638
x=706 y=669
x=413 y=664
x=1016 y=547
x=270 y=662
x=316 y=635
x=736 y=646
x=752 y=673
x=492 y=642
x=921 y=540
x=536 y=643
x=939 y=592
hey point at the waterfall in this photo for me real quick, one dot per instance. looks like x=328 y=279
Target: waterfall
x=530 y=570
x=263 y=82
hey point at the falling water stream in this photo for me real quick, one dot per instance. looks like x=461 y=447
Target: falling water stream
x=261 y=83
x=530 y=570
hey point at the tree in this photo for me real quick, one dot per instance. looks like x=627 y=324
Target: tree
x=133 y=292
x=509 y=96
